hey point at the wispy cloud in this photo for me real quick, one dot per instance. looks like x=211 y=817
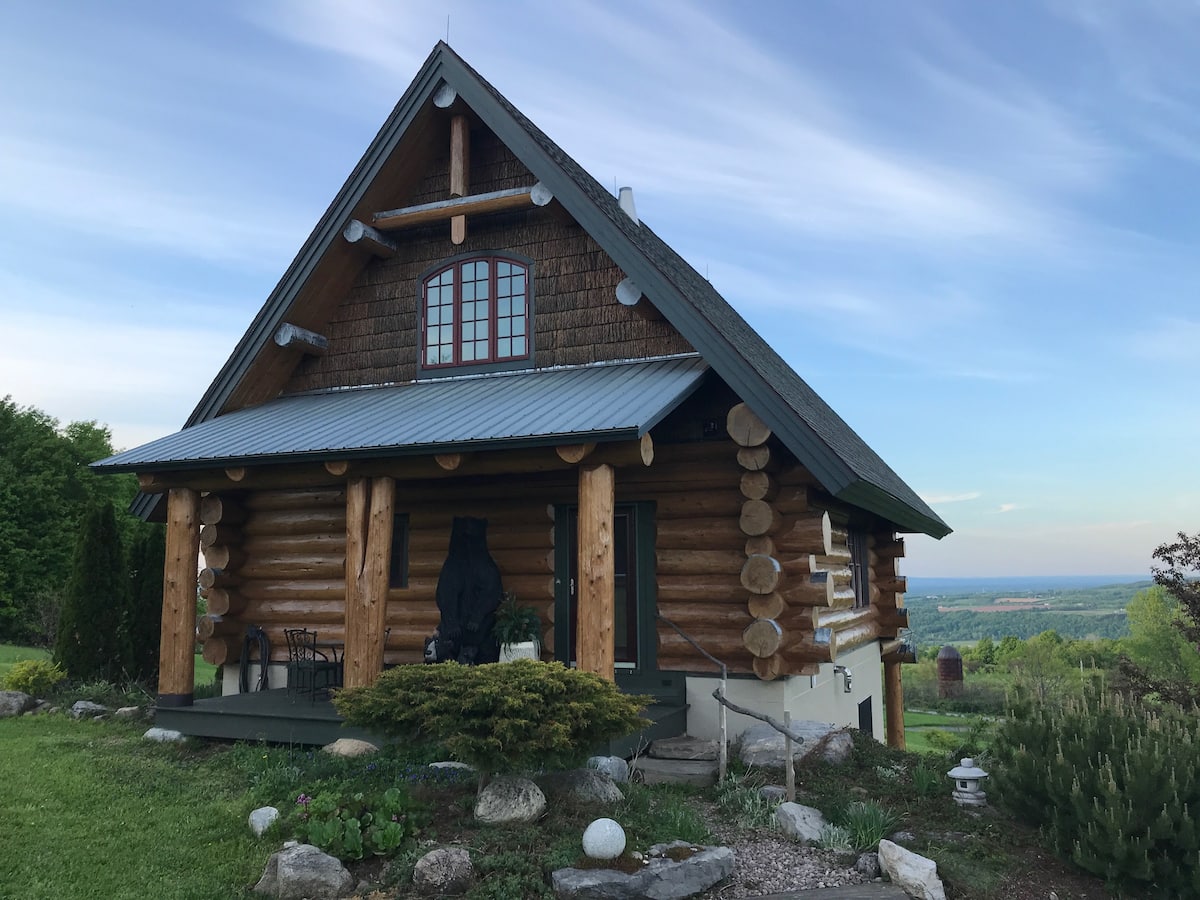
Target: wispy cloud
x=1169 y=341
x=938 y=499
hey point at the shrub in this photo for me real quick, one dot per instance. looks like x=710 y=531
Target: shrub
x=497 y=717
x=835 y=837
x=358 y=826
x=35 y=677
x=1113 y=784
x=867 y=823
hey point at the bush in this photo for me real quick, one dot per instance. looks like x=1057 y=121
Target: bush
x=498 y=717
x=35 y=677
x=1112 y=783
x=866 y=823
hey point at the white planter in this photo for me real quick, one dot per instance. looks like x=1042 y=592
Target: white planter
x=524 y=650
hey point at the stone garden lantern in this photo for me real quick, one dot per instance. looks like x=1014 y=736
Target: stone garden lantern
x=966 y=783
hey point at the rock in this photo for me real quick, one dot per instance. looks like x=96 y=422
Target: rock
x=128 y=712
x=868 y=864
x=87 y=708
x=447 y=870
x=683 y=747
x=350 y=747
x=304 y=872
x=450 y=764
x=763 y=746
x=902 y=837
x=263 y=818
x=510 y=801
x=662 y=878
x=773 y=793
x=800 y=823
x=14 y=703
x=916 y=874
x=583 y=785
x=612 y=766
x=674 y=771
x=604 y=839
x=163 y=735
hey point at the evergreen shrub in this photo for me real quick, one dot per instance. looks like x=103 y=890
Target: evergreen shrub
x=35 y=677
x=498 y=717
x=1114 y=784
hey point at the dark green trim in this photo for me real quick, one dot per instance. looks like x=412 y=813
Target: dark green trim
x=174 y=700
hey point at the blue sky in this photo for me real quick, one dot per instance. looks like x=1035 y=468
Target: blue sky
x=971 y=227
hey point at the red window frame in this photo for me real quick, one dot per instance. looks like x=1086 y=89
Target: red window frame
x=488 y=309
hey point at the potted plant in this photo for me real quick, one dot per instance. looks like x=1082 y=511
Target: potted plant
x=518 y=629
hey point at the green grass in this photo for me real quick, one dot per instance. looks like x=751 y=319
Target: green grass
x=11 y=653
x=920 y=719
x=93 y=811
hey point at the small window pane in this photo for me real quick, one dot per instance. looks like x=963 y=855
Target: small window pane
x=503 y=268
x=481 y=270
x=518 y=306
x=447 y=334
x=503 y=347
x=446 y=277
x=518 y=325
x=431 y=355
x=519 y=283
x=504 y=328
x=503 y=287
x=447 y=353
x=468 y=291
x=434 y=314
x=481 y=329
x=481 y=290
x=481 y=309
x=518 y=346
x=481 y=349
x=468 y=352
x=503 y=305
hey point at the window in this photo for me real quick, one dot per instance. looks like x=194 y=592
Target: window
x=398 y=573
x=474 y=311
x=860 y=568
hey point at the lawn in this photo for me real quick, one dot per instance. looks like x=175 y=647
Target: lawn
x=11 y=653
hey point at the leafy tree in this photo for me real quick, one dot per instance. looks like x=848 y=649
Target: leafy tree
x=984 y=651
x=146 y=558
x=1169 y=675
x=93 y=641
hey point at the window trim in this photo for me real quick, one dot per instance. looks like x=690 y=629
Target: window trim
x=492 y=257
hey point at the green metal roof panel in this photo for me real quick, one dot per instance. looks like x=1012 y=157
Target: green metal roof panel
x=609 y=401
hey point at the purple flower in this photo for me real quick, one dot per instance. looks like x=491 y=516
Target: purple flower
x=304 y=800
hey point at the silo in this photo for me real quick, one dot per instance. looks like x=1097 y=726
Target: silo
x=950 y=672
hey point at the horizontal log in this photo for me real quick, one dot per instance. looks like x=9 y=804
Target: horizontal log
x=275 y=522
x=294 y=565
x=304 y=544
x=762 y=637
x=794 y=500
x=225 y=601
x=224 y=556
x=893 y=549
x=855 y=636
x=762 y=458
x=694 y=662
x=698 y=534
x=698 y=562
x=807 y=533
x=760 y=545
x=781 y=664
x=721 y=643
x=686 y=588
x=842 y=577
x=301 y=498
x=293 y=337
x=745 y=427
x=370 y=239
x=699 y=504
x=474 y=205
x=764 y=574
x=219 y=650
x=897 y=650
x=767 y=606
x=512 y=563
x=759 y=517
x=758 y=486
x=893 y=619
x=837 y=558
x=519 y=537
x=841 y=619
x=299 y=589
x=217 y=510
x=705 y=616
x=215 y=578
x=816 y=590
x=219 y=534
x=337 y=467
x=210 y=626
x=897 y=584
x=843 y=597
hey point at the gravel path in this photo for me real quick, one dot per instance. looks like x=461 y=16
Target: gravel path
x=765 y=862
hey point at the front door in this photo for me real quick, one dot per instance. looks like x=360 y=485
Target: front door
x=633 y=624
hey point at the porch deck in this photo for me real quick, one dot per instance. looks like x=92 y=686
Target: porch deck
x=282 y=718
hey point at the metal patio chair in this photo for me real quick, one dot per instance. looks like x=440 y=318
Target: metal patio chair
x=310 y=671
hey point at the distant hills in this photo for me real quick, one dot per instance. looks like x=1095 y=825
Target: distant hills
x=1004 y=584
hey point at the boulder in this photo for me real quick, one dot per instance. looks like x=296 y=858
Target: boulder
x=510 y=800
x=773 y=793
x=868 y=864
x=451 y=764
x=163 y=735
x=128 y=712
x=304 y=872
x=662 y=878
x=800 y=823
x=612 y=766
x=446 y=870
x=763 y=746
x=263 y=818
x=583 y=785
x=350 y=747
x=87 y=709
x=14 y=703
x=916 y=874
x=604 y=839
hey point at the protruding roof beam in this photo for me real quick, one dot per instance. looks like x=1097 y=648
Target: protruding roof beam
x=372 y=239
x=474 y=205
x=292 y=336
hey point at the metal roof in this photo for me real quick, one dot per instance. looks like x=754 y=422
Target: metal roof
x=602 y=402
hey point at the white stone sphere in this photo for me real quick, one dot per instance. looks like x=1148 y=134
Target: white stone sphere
x=604 y=839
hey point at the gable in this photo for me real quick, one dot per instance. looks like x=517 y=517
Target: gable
x=332 y=284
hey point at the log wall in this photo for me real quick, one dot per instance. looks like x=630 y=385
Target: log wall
x=577 y=318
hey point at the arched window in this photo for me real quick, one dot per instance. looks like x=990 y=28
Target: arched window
x=474 y=311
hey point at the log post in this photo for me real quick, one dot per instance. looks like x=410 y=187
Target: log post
x=177 y=648
x=369 y=504
x=893 y=704
x=460 y=170
x=595 y=648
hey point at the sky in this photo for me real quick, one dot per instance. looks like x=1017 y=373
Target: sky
x=971 y=227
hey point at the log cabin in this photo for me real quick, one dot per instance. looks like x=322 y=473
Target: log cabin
x=476 y=327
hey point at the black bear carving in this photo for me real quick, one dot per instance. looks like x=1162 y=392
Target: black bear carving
x=468 y=593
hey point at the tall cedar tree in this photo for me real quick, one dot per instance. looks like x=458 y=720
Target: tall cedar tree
x=93 y=638
x=1178 y=574
x=146 y=558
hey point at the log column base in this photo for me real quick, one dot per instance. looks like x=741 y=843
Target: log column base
x=174 y=700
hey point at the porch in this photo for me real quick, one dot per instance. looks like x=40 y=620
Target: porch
x=280 y=717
